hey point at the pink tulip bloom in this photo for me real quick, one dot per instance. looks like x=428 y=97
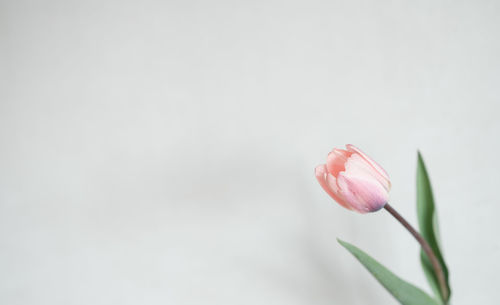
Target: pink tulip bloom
x=354 y=180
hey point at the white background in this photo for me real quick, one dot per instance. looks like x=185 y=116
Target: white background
x=162 y=152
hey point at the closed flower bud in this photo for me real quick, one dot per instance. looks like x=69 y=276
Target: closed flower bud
x=354 y=180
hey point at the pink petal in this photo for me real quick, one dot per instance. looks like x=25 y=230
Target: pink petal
x=336 y=160
x=328 y=183
x=357 y=166
x=332 y=183
x=353 y=149
x=362 y=195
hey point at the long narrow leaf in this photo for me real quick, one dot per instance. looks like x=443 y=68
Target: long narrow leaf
x=404 y=292
x=427 y=221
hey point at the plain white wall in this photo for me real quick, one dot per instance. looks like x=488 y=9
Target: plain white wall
x=162 y=152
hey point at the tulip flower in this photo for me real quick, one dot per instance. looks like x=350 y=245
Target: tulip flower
x=358 y=183
x=354 y=180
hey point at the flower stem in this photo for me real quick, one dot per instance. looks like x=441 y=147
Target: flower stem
x=427 y=249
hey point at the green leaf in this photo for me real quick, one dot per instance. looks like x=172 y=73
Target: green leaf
x=404 y=292
x=427 y=221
